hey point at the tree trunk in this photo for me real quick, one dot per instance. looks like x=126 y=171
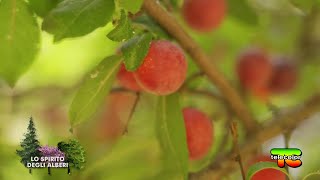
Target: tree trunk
x=69 y=170
x=49 y=171
x=30 y=172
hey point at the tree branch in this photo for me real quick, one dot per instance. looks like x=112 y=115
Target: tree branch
x=155 y=10
x=225 y=164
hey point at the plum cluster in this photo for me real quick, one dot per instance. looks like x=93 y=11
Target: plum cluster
x=259 y=73
x=162 y=72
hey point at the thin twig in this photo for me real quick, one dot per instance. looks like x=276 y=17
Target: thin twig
x=184 y=88
x=224 y=165
x=234 y=132
x=133 y=16
x=133 y=109
x=190 y=79
x=206 y=93
x=168 y=22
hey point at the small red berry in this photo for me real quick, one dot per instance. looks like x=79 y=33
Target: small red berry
x=269 y=173
x=199 y=131
x=163 y=70
x=204 y=15
x=254 y=69
x=284 y=78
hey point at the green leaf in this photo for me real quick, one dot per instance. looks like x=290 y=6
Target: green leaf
x=43 y=7
x=240 y=10
x=149 y=24
x=135 y=49
x=123 y=31
x=131 y=6
x=74 y=18
x=19 y=39
x=172 y=135
x=264 y=165
x=93 y=91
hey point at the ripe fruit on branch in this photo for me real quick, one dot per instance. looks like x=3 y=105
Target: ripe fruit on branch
x=199 y=131
x=204 y=15
x=163 y=70
x=127 y=80
x=269 y=173
x=254 y=69
x=285 y=76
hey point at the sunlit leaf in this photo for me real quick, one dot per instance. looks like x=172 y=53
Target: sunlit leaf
x=19 y=39
x=131 y=6
x=171 y=131
x=73 y=18
x=135 y=49
x=93 y=90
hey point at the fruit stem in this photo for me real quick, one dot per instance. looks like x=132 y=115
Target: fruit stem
x=191 y=78
x=206 y=93
x=168 y=22
x=133 y=109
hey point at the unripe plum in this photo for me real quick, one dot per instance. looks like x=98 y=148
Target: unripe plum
x=254 y=69
x=163 y=70
x=199 y=130
x=204 y=15
x=284 y=78
x=269 y=173
x=127 y=80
